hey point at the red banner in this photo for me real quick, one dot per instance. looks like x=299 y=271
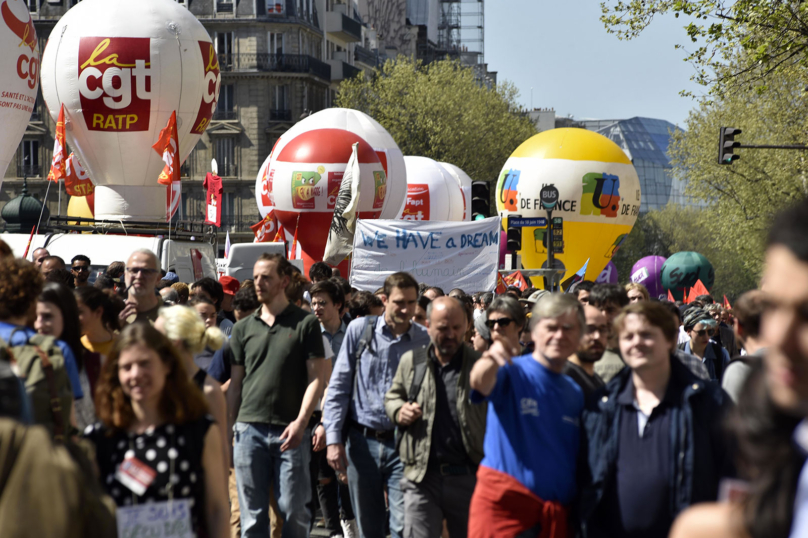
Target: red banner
x=77 y=180
x=213 y=185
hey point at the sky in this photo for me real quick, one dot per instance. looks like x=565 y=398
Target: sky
x=562 y=50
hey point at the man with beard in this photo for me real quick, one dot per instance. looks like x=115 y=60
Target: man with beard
x=142 y=274
x=441 y=430
x=581 y=366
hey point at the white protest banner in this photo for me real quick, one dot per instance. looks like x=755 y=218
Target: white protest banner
x=445 y=254
x=155 y=520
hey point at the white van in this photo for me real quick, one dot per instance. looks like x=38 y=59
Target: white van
x=191 y=260
x=242 y=257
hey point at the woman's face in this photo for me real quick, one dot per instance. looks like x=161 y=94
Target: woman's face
x=88 y=318
x=208 y=313
x=478 y=342
x=142 y=373
x=49 y=320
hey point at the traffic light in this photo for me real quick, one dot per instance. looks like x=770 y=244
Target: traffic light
x=514 y=235
x=480 y=200
x=726 y=145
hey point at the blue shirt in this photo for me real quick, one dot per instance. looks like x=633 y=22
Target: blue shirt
x=799 y=525
x=337 y=338
x=533 y=428
x=709 y=357
x=25 y=333
x=378 y=365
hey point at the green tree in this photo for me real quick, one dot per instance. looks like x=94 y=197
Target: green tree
x=742 y=198
x=440 y=111
x=770 y=35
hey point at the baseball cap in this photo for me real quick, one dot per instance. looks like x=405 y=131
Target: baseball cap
x=229 y=284
x=171 y=277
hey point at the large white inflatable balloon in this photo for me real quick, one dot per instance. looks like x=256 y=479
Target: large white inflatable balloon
x=464 y=182
x=121 y=67
x=19 y=74
x=369 y=130
x=432 y=192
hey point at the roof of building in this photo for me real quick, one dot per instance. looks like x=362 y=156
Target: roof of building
x=644 y=139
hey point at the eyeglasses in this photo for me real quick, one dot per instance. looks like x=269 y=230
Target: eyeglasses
x=702 y=332
x=80 y=269
x=144 y=270
x=503 y=322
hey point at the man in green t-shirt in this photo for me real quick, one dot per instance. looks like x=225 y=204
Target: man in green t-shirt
x=277 y=378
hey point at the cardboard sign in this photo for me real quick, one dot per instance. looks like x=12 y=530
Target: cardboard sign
x=155 y=520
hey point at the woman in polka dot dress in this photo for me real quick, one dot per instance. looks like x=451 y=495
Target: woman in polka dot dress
x=156 y=442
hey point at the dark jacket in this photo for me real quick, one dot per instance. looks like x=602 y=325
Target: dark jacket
x=416 y=439
x=701 y=456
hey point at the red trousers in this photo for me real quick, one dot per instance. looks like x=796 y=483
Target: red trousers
x=502 y=507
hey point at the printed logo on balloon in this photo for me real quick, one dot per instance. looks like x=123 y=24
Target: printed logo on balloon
x=379 y=189
x=213 y=82
x=417 y=207
x=508 y=187
x=27 y=66
x=305 y=188
x=115 y=81
x=601 y=195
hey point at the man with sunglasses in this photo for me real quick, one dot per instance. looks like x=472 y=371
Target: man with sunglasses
x=80 y=267
x=142 y=273
x=700 y=327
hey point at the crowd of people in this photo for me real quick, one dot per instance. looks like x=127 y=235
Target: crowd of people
x=254 y=406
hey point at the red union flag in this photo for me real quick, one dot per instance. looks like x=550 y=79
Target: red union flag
x=77 y=180
x=58 y=166
x=210 y=95
x=265 y=230
x=167 y=146
x=115 y=83
x=517 y=279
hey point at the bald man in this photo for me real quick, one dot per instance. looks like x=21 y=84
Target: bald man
x=39 y=256
x=142 y=274
x=441 y=430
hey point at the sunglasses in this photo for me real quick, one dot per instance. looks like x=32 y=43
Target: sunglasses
x=80 y=269
x=702 y=332
x=503 y=322
x=144 y=270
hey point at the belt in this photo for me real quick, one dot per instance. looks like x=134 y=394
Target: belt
x=446 y=469
x=379 y=435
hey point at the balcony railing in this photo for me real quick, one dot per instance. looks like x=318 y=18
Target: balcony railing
x=225 y=115
x=280 y=115
x=29 y=170
x=343 y=26
x=366 y=56
x=276 y=63
x=224 y=7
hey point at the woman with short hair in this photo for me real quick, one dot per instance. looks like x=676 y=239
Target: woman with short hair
x=155 y=442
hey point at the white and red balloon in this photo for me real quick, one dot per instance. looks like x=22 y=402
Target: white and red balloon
x=464 y=181
x=301 y=180
x=19 y=65
x=369 y=130
x=121 y=69
x=432 y=192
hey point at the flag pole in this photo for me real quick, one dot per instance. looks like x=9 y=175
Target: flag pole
x=44 y=201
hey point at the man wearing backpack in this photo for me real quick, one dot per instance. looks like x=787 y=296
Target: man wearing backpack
x=359 y=434
x=47 y=366
x=441 y=432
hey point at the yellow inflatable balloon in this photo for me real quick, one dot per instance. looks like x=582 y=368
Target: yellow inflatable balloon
x=79 y=206
x=598 y=202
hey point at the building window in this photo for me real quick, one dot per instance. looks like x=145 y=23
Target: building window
x=33 y=5
x=225 y=156
x=29 y=159
x=229 y=216
x=225 y=109
x=275 y=42
x=280 y=98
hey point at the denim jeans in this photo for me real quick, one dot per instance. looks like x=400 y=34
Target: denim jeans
x=260 y=465
x=372 y=464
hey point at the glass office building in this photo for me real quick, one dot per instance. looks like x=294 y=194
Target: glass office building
x=646 y=141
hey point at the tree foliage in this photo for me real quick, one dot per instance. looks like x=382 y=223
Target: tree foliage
x=441 y=112
x=770 y=36
x=675 y=229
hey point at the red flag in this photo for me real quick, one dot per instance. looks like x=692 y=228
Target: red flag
x=173 y=196
x=293 y=249
x=699 y=289
x=263 y=230
x=58 y=165
x=726 y=303
x=501 y=287
x=168 y=146
x=670 y=297
x=77 y=180
x=279 y=235
x=517 y=279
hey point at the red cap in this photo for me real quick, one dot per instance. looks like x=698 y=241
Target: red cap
x=230 y=284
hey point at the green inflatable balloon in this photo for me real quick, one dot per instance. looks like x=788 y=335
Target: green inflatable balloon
x=682 y=270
